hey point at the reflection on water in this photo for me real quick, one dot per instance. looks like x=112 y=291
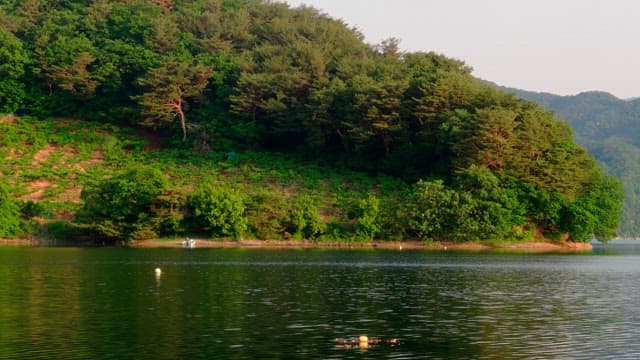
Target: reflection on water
x=617 y=247
x=247 y=304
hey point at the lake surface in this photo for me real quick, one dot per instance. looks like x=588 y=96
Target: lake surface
x=83 y=303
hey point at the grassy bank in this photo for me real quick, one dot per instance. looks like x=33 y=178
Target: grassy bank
x=50 y=161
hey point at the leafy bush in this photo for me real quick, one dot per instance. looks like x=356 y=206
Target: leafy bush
x=595 y=212
x=58 y=230
x=496 y=211
x=219 y=210
x=304 y=219
x=394 y=218
x=168 y=212
x=427 y=209
x=367 y=218
x=65 y=231
x=436 y=212
x=267 y=214
x=31 y=209
x=10 y=223
x=480 y=208
x=125 y=207
x=334 y=232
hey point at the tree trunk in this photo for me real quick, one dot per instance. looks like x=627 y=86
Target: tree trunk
x=385 y=143
x=183 y=122
x=343 y=141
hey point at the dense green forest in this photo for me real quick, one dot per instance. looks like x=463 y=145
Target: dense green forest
x=610 y=130
x=218 y=86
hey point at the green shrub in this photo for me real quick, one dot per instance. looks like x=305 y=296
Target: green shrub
x=367 y=218
x=65 y=231
x=479 y=208
x=125 y=207
x=595 y=212
x=304 y=219
x=168 y=212
x=219 y=210
x=10 y=223
x=334 y=232
x=267 y=215
x=31 y=209
x=426 y=209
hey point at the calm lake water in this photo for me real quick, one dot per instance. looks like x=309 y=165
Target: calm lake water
x=79 y=303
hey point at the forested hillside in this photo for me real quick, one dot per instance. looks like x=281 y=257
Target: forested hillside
x=610 y=129
x=221 y=79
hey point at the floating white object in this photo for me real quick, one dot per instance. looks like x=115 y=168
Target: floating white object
x=188 y=243
x=158 y=271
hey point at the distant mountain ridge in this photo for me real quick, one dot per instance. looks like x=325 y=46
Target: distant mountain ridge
x=594 y=115
x=609 y=127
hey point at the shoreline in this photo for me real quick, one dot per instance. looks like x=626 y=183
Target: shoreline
x=383 y=245
x=531 y=246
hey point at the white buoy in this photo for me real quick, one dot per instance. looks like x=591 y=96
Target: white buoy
x=158 y=271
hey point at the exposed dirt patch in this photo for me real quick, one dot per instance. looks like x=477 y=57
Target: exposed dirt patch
x=96 y=158
x=68 y=157
x=7 y=119
x=290 y=191
x=37 y=189
x=70 y=195
x=42 y=155
x=13 y=153
x=64 y=214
